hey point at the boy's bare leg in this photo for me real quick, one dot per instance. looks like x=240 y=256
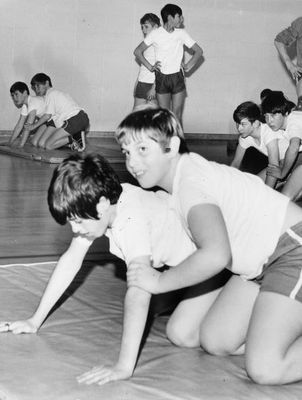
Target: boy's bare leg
x=178 y=101
x=224 y=328
x=57 y=139
x=274 y=340
x=37 y=136
x=184 y=324
x=164 y=100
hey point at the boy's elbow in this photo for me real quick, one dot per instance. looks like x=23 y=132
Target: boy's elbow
x=223 y=258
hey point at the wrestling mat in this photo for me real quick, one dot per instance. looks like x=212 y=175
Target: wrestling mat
x=55 y=156
x=85 y=331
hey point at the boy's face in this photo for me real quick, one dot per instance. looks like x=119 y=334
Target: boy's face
x=245 y=128
x=146 y=161
x=19 y=98
x=176 y=21
x=147 y=28
x=40 y=88
x=275 y=121
x=89 y=228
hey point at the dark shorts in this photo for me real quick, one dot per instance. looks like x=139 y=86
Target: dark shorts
x=77 y=123
x=283 y=272
x=171 y=83
x=142 y=89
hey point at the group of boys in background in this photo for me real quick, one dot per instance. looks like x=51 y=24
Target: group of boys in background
x=208 y=217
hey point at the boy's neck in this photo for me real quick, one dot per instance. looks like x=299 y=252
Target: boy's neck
x=257 y=132
x=168 y=181
x=168 y=27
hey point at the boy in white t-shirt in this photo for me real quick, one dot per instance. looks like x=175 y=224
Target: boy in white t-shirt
x=66 y=122
x=253 y=133
x=278 y=113
x=144 y=92
x=168 y=42
x=239 y=223
x=141 y=227
x=32 y=109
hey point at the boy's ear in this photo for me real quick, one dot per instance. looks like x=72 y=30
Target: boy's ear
x=174 y=145
x=103 y=205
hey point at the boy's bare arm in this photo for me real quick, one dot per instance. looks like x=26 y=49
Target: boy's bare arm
x=273 y=159
x=30 y=120
x=136 y=306
x=213 y=254
x=18 y=128
x=198 y=52
x=293 y=69
x=289 y=159
x=238 y=157
x=36 y=125
x=68 y=266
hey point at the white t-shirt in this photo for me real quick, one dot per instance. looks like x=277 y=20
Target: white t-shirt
x=293 y=129
x=253 y=212
x=144 y=74
x=169 y=47
x=145 y=224
x=266 y=136
x=36 y=103
x=61 y=106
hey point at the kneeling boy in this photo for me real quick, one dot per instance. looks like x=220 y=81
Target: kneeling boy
x=142 y=229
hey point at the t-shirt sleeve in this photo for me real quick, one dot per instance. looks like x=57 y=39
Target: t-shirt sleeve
x=131 y=234
x=188 y=41
x=293 y=131
x=290 y=34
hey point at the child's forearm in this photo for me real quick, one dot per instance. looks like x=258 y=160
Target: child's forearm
x=41 y=121
x=64 y=273
x=136 y=308
x=289 y=159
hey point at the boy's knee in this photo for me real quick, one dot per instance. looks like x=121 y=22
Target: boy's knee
x=264 y=370
x=216 y=344
x=181 y=337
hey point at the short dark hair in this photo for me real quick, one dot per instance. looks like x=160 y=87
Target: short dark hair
x=248 y=110
x=159 y=124
x=170 y=9
x=276 y=102
x=20 y=87
x=151 y=18
x=77 y=185
x=40 y=78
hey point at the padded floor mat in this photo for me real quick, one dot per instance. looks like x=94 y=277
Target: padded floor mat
x=85 y=331
x=56 y=156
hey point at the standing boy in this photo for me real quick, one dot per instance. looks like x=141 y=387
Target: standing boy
x=169 y=69
x=32 y=109
x=287 y=37
x=141 y=227
x=239 y=223
x=144 y=92
x=66 y=122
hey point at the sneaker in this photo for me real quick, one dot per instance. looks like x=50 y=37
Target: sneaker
x=78 y=142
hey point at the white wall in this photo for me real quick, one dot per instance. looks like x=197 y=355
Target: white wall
x=86 y=47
